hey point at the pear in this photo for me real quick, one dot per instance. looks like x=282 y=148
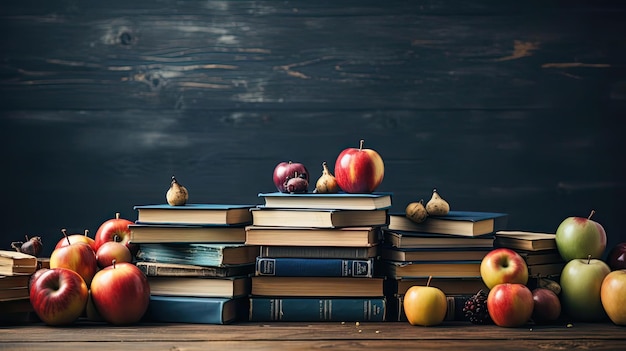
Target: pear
x=177 y=194
x=416 y=212
x=326 y=183
x=437 y=206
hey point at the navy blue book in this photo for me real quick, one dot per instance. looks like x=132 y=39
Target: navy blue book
x=201 y=310
x=205 y=214
x=338 y=201
x=467 y=223
x=313 y=309
x=314 y=267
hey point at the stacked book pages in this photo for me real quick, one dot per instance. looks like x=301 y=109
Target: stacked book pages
x=16 y=269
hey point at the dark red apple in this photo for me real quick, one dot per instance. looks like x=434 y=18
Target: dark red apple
x=76 y=238
x=547 y=306
x=287 y=170
x=113 y=250
x=359 y=170
x=78 y=257
x=510 y=305
x=616 y=258
x=115 y=229
x=59 y=296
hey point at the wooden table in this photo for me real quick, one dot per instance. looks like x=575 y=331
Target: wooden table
x=308 y=336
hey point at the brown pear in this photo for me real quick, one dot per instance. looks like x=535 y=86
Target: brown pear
x=437 y=206
x=177 y=195
x=326 y=183
x=416 y=212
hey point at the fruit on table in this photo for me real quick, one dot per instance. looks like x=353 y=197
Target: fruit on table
x=359 y=170
x=581 y=282
x=503 y=265
x=579 y=237
x=437 y=206
x=75 y=238
x=32 y=246
x=547 y=306
x=78 y=257
x=177 y=194
x=549 y=284
x=475 y=308
x=425 y=305
x=287 y=170
x=58 y=296
x=115 y=229
x=113 y=250
x=613 y=296
x=510 y=305
x=326 y=183
x=416 y=212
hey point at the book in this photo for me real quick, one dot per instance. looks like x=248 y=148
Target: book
x=314 y=309
x=314 y=267
x=14 y=293
x=546 y=270
x=337 y=201
x=216 y=255
x=540 y=257
x=176 y=233
x=347 y=252
x=449 y=285
x=318 y=218
x=199 y=310
x=300 y=236
x=317 y=286
x=467 y=223
x=433 y=254
x=14 y=281
x=397 y=270
x=529 y=241
x=218 y=214
x=158 y=269
x=200 y=287
x=15 y=263
x=407 y=239
x=454 y=312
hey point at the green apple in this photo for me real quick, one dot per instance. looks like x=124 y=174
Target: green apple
x=579 y=237
x=425 y=305
x=581 y=280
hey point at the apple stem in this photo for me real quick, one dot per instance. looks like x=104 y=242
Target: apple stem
x=26 y=236
x=87 y=232
x=117 y=215
x=113 y=262
x=116 y=238
x=64 y=231
x=361 y=144
x=588 y=259
x=591 y=214
x=429 y=279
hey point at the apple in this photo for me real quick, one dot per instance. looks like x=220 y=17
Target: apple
x=510 y=304
x=78 y=257
x=581 y=280
x=547 y=307
x=113 y=250
x=616 y=258
x=35 y=276
x=287 y=170
x=74 y=238
x=613 y=296
x=115 y=229
x=359 y=170
x=120 y=293
x=425 y=305
x=59 y=296
x=579 y=237
x=503 y=265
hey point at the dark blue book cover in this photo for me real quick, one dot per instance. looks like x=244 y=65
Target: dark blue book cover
x=202 y=310
x=314 y=267
x=313 y=309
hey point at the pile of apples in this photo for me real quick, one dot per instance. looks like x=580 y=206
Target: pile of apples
x=92 y=277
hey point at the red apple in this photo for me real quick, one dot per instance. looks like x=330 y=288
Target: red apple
x=78 y=257
x=503 y=265
x=59 y=296
x=510 y=305
x=359 y=170
x=547 y=306
x=120 y=293
x=287 y=170
x=115 y=229
x=579 y=237
x=425 y=305
x=75 y=238
x=616 y=258
x=581 y=282
x=35 y=276
x=613 y=296
x=113 y=250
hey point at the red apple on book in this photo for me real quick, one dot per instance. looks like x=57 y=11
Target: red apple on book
x=78 y=257
x=59 y=296
x=76 y=238
x=120 y=293
x=547 y=306
x=616 y=258
x=510 y=305
x=581 y=282
x=613 y=296
x=503 y=265
x=115 y=229
x=359 y=170
x=579 y=237
x=425 y=305
x=287 y=170
x=113 y=250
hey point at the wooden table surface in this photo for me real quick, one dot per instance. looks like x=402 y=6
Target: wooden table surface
x=308 y=336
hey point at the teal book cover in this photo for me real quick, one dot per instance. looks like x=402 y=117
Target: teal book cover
x=201 y=310
x=313 y=309
x=196 y=254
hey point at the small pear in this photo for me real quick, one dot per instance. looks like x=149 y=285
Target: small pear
x=416 y=212
x=437 y=206
x=326 y=183
x=177 y=194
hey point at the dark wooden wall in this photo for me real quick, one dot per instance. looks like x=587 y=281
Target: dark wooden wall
x=505 y=106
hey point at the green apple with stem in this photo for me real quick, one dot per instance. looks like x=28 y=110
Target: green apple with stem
x=581 y=281
x=578 y=237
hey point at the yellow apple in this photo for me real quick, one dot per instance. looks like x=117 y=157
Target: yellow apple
x=613 y=296
x=425 y=305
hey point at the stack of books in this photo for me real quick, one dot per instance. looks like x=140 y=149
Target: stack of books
x=16 y=269
x=449 y=248
x=318 y=256
x=196 y=260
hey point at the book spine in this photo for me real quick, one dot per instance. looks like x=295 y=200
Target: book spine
x=317 y=309
x=316 y=252
x=323 y=267
x=172 y=309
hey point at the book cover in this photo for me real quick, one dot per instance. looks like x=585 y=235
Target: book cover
x=523 y=240
x=157 y=269
x=397 y=270
x=178 y=233
x=337 y=201
x=346 y=252
x=408 y=239
x=449 y=285
x=229 y=287
x=540 y=257
x=307 y=236
x=433 y=254
x=317 y=286
x=16 y=263
x=200 y=310
x=199 y=254
x=468 y=223
x=206 y=214
x=14 y=281
x=318 y=218
x=314 y=309
x=314 y=267
x=17 y=293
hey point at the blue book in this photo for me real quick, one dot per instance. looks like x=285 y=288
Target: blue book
x=466 y=223
x=217 y=255
x=202 y=310
x=338 y=201
x=217 y=214
x=314 y=267
x=313 y=309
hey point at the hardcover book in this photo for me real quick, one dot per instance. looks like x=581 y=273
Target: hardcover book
x=176 y=233
x=546 y=269
x=319 y=218
x=301 y=236
x=540 y=257
x=200 y=310
x=467 y=223
x=529 y=241
x=449 y=285
x=15 y=263
x=206 y=214
x=228 y=287
x=14 y=281
x=317 y=286
x=433 y=254
x=314 y=267
x=17 y=293
x=346 y=252
x=338 y=201
x=216 y=255
x=407 y=239
x=314 y=309
x=157 y=269
x=397 y=270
